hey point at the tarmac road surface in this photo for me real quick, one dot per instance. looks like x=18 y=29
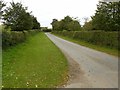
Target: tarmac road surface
x=88 y=68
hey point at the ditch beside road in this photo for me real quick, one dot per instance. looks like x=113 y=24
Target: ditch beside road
x=88 y=68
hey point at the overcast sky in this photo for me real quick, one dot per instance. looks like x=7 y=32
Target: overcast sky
x=46 y=10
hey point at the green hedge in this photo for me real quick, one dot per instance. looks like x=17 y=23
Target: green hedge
x=102 y=38
x=10 y=38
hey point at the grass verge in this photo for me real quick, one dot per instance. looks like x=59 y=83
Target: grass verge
x=107 y=50
x=36 y=63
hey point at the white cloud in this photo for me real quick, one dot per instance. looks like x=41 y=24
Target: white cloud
x=46 y=10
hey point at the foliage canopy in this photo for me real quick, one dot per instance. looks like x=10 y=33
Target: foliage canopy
x=67 y=23
x=107 y=16
x=18 y=19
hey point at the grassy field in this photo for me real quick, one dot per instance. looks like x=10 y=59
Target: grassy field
x=36 y=63
x=96 y=47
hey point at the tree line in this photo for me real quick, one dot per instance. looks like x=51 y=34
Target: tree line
x=67 y=23
x=106 y=18
x=17 y=17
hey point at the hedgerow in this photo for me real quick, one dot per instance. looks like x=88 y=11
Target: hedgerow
x=102 y=38
x=10 y=38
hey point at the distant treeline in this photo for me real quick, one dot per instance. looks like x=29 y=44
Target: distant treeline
x=106 y=18
x=67 y=23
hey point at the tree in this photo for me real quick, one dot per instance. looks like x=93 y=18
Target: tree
x=55 y=24
x=107 y=16
x=67 y=21
x=24 y=22
x=17 y=18
x=88 y=26
x=36 y=24
x=2 y=4
x=66 y=24
x=74 y=26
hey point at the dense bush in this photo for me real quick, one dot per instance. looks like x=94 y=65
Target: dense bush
x=102 y=38
x=10 y=38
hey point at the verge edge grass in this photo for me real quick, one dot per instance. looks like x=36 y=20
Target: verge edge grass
x=34 y=63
